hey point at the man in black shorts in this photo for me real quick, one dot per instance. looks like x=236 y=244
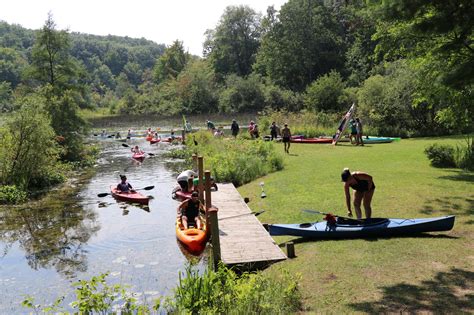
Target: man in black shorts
x=286 y=136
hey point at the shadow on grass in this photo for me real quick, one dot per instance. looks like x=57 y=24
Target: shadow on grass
x=459 y=176
x=449 y=293
x=370 y=239
x=450 y=205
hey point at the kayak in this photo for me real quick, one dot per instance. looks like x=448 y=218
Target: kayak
x=169 y=139
x=375 y=227
x=192 y=238
x=180 y=195
x=154 y=140
x=311 y=140
x=138 y=156
x=148 y=138
x=134 y=197
x=343 y=124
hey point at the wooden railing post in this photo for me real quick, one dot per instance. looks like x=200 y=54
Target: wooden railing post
x=207 y=189
x=216 y=246
x=201 y=180
x=195 y=162
x=183 y=137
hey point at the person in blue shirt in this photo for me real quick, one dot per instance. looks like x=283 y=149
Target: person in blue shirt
x=124 y=186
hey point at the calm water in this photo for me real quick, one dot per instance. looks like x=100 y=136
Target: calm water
x=43 y=251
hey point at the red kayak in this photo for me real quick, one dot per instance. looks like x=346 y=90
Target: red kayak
x=134 y=197
x=154 y=140
x=148 y=138
x=138 y=156
x=311 y=140
x=181 y=195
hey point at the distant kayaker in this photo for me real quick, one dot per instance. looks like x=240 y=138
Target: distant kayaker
x=286 y=136
x=210 y=125
x=124 y=186
x=136 y=150
x=364 y=188
x=183 y=179
x=189 y=209
x=129 y=134
x=234 y=128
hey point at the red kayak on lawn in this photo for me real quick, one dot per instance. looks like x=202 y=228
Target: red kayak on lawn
x=311 y=140
x=134 y=197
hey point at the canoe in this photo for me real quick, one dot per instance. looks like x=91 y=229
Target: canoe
x=193 y=239
x=138 y=156
x=311 y=140
x=134 y=197
x=375 y=227
x=155 y=140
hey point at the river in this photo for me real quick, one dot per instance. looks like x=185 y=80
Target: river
x=44 y=250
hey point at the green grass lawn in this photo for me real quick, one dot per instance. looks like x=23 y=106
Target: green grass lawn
x=433 y=273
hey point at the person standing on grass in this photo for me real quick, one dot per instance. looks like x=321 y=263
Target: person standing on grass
x=273 y=131
x=353 y=135
x=358 y=125
x=364 y=188
x=286 y=137
x=234 y=128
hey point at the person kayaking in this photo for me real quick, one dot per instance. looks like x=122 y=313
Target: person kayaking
x=183 y=179
x=129 y=134
x=364 y=188
x=188 y=210
x=124 y=186
x=136 y=150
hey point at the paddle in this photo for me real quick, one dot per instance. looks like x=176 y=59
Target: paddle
x=256 y=213
x=144 y=188
x=263 y=195
x=127 y=146
x=323 y=213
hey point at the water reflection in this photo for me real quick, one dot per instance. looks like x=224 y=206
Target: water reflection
x=68 y=237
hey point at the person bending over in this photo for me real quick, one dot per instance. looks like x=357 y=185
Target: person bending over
x=364 y=188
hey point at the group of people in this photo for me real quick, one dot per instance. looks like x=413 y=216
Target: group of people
x=356 y=131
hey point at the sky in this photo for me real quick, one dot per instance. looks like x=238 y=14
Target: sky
x=160 y=21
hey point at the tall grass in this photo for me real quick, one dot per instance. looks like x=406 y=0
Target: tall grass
x=232 y=160
x=225 y=292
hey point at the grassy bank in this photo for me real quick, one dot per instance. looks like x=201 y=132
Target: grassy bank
x=424 y=273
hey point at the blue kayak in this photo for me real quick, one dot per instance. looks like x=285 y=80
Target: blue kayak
x=352 y=228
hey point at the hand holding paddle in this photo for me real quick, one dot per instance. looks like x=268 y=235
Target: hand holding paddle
x=127 y=146
x=144 y=188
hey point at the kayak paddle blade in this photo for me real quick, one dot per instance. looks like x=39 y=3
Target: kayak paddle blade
x=103 y=194
x=125 y=145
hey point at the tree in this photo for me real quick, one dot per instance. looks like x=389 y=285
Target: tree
x=242 y=94
x=443 y=29
x=11 y=66
x=232 y=46
x=171 y=63
x=305 y=43
x=326 y=93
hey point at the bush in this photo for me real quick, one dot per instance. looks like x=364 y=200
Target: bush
x=441 y=155
x=10 y=194
x=464 y=156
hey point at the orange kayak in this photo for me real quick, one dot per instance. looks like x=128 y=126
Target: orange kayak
x=193 y=239
x=138 y=156
x=154 y=140
x=135 y=197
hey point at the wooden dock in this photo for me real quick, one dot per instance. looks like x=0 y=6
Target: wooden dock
x=243 y=239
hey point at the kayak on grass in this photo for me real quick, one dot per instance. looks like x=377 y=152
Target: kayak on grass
x=375 y=227
x=192 y=238
x=134 y=197
x=311 y=140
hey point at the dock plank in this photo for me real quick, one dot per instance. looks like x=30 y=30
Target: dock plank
x=243 y=239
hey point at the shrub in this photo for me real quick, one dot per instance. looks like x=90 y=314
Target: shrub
x=440 y=155
x=464 y=156
x=10 y=194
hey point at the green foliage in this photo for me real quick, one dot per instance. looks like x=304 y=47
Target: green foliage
x=464 y=155
x=223 y=292
x=5 y=97
x=327 y=93
x=303 y=44
x=231 y=47
x=233 y=160
x=242 y=94
x=171 y=63
x=27 y=146
x=11 y=194
x=441 y=155
x=11 y=66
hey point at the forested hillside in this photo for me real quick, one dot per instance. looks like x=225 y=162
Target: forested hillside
x=407 y=64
